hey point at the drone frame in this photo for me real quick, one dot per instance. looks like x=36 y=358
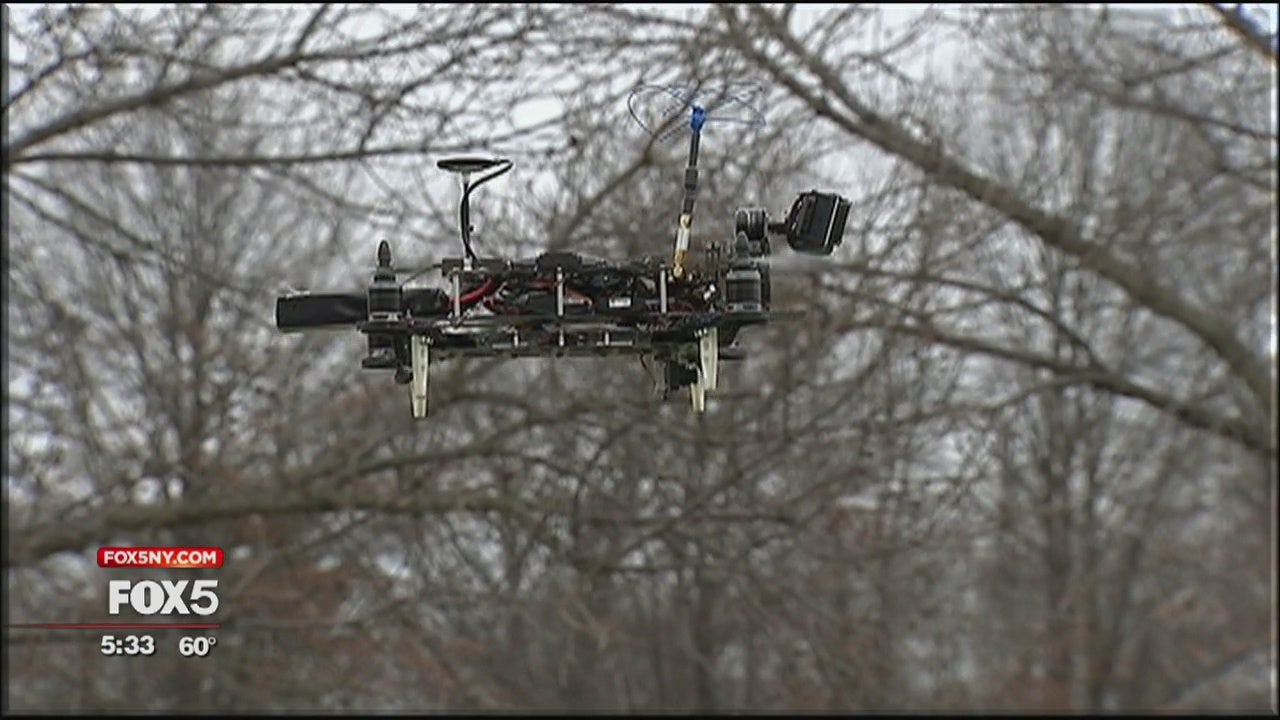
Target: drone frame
x=690 y=320
x=696 y=339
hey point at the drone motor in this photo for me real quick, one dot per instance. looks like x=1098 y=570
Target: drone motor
x=744 y=288
x=384 y=300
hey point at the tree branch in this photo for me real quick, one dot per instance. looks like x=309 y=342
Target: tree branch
x=1055 y=231
x=153 y=97
x=1253 y=39
x=1254 y=438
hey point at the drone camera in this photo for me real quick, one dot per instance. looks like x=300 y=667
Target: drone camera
x=815 y=223
x=678 y=374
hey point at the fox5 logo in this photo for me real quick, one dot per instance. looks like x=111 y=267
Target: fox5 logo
x=163 y=597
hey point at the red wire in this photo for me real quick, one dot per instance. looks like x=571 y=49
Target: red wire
x=470 y=298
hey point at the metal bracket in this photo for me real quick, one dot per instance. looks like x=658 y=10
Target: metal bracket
x=709 y=354
x=560 y=293
x=456 y=281
x=662 y=290
x=419 y=351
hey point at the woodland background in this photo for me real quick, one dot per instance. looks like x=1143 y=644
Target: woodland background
x=1018 y=454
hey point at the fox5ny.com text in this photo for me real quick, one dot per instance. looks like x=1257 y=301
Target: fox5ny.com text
x=160 y=557
x=162 y=597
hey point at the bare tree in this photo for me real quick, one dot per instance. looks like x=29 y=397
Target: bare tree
x=1057 y=219
x=1102 y=247
x=1011 y=456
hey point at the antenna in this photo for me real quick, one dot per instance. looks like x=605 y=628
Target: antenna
x=465 y=167
x=659 y=108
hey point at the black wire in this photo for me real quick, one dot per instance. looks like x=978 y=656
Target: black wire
x=464 y=213
x=464 y=217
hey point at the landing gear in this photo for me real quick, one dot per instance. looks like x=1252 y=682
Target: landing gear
x=419 y=352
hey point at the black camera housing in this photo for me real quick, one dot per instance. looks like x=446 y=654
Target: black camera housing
x=815 y=222
x=814 y=226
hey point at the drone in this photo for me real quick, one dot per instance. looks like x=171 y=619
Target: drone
x=685 y=317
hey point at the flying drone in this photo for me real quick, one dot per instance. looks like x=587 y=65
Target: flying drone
x=558 y=304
